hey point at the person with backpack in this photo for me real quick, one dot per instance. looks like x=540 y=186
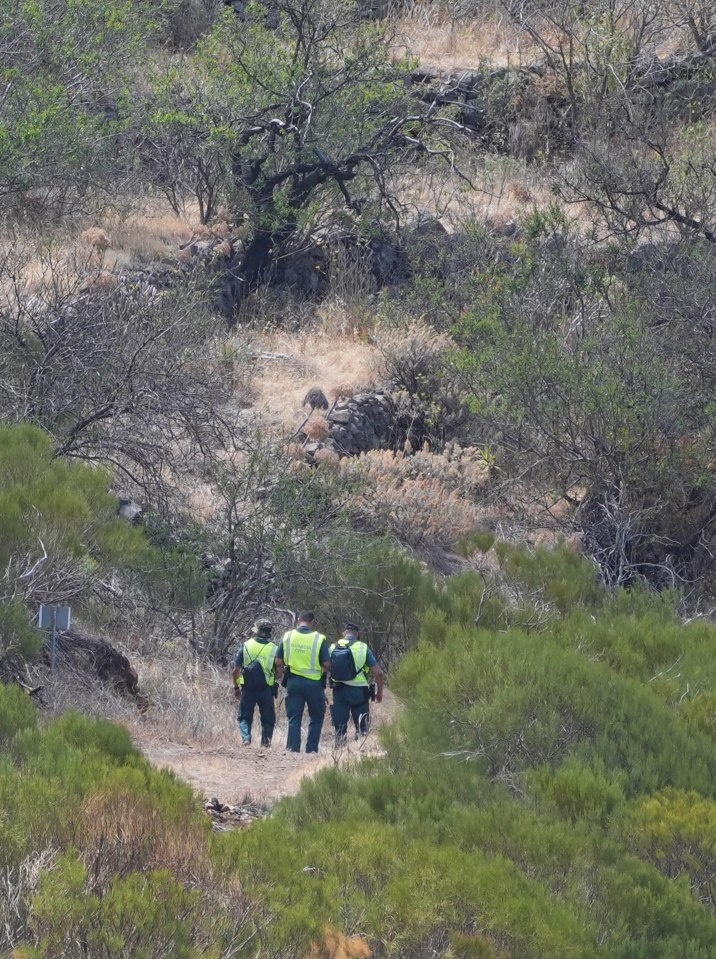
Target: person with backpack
x=255 y=682
x=354 y=673
x=303 y=653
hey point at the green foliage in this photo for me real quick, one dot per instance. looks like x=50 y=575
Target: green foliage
x=64 y=63
x=18 y=638
x=16 y=713
x=59 y=533
x=112 y=741
x=675 y=830
x=375 y=585
x=122 y=850
x=138 y=916
x=560 y=574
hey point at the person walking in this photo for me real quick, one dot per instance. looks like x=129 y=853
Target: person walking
x=303 y=652
x=255 y=682
x=353 y=670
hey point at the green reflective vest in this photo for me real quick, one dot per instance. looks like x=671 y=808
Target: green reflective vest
x=265 y=653
x=300 y=653
x=359 y=650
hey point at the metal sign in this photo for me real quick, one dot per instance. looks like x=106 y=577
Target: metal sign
x=58 y=616
x=54 y=618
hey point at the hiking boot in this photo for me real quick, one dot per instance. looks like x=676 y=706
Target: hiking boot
x=265 y=743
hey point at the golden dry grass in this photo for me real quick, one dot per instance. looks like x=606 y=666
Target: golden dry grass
x=446 y=46
x=332 y=361
x=101 y=246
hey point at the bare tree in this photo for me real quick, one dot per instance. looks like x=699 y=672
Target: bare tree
x=130 y=376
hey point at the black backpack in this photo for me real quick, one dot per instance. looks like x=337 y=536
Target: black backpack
x=254 y=676
x=343 y=664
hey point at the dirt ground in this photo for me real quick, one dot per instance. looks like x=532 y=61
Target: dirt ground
x=236 y=774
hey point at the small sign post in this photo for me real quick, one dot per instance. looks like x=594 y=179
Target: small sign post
x=54 y=618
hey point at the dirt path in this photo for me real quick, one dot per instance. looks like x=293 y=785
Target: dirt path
x=235 y=774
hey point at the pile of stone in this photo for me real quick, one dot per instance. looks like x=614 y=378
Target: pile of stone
x=362 y=422
x=354 y=424
x=226 y=818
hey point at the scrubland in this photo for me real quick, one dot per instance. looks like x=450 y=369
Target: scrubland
x=221 y=225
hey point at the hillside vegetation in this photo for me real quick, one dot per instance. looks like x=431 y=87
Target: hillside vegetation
x=404 y=312
x=548 y=791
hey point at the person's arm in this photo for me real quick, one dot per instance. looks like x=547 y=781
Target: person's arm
x=324 y=656
x=279 y=664
x=377 y=674
x=238 y=669
x=278 y=670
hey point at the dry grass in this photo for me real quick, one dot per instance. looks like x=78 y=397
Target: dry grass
x=443 y=44
x=94 y=251
x=503 y=189
x=336 y=945
x=331 y=361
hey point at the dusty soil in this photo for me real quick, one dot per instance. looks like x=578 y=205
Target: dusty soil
x=236 y=774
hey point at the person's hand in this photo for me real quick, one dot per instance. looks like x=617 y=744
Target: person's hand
x=237 y=693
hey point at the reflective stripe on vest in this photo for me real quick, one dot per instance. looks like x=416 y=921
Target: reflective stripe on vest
x=264 y=653
x=300 y=653
x=359 y=651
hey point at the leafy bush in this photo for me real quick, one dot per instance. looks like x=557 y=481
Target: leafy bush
x=16 y=713
x=59 y=534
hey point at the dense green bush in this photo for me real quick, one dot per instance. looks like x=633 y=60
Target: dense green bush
x=100 y=854
x=540 y=797
x=59 y=535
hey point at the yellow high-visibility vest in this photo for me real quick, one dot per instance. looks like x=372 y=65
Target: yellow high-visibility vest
x=301 y=651
x=359 y=651
x=264 y=654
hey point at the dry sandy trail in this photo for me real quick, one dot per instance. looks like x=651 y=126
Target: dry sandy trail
x=235 y=774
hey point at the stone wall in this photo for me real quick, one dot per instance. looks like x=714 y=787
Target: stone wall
x=362 y=422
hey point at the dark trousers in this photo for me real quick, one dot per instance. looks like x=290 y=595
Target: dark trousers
x=250 y=699
x=302 y=692
x=350 y=702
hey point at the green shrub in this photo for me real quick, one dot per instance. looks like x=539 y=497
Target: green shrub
x=18 y=638
x=676 y=831
x=580 y=792
x=17 y=713
x=522 y=701
x=139 y=916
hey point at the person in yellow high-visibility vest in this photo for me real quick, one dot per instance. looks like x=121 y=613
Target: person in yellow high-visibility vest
x=254 y=678
x=303 y=653
x=354 y=669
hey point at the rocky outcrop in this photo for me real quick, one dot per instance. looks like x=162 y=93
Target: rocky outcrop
x=362 y=422
x=95 y=659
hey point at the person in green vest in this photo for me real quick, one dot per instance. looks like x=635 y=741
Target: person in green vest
x=303 y=652
x=255 y=682
x=353 y=670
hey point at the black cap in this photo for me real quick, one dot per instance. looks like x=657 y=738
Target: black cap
x=352 y=627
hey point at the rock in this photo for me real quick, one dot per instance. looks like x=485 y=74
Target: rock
x=129 y=509
x=340 y=416
x=96 y=658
